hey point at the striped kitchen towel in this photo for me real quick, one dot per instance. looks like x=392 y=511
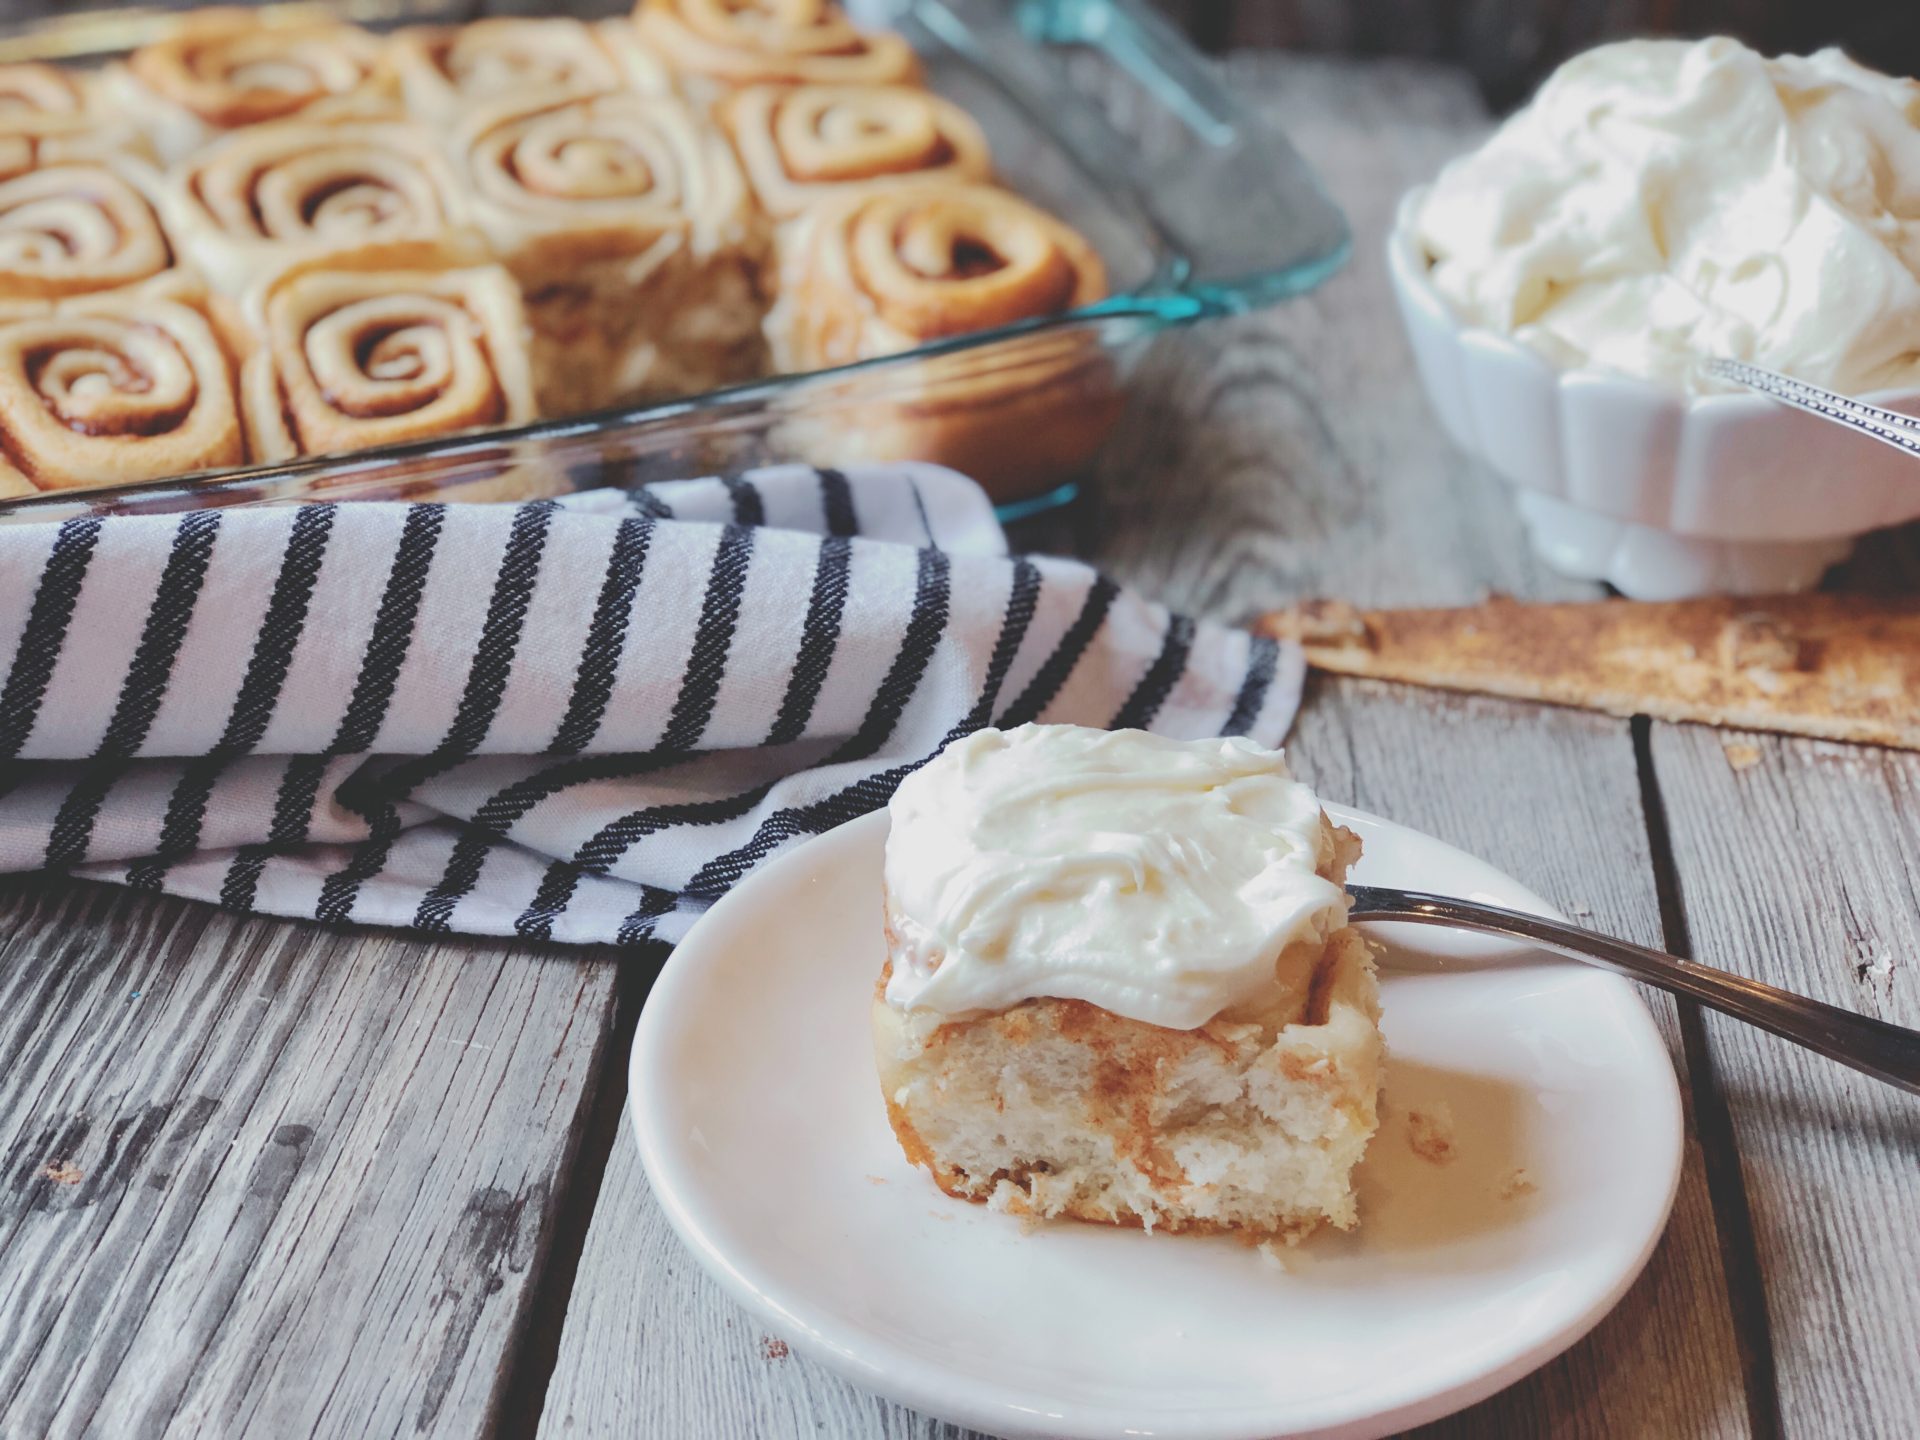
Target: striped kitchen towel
x=580 y=719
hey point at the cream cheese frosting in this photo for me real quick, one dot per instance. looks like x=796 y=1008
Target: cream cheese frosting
x=1158 y=879
x=1663 y=201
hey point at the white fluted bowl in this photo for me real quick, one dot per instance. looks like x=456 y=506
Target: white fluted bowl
x=1661 y=493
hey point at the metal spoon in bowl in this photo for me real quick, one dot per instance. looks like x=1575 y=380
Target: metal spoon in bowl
x=1885 y=1051
x=1889 y=427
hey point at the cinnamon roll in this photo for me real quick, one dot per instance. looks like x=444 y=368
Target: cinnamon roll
x=878 y=272
x=881 y=272
x=627 y=223
x=804 y=143
x=446 y=69
x=70 y=228
x=377 y=348
x=717 y=44
x=261 y=199
x=111 y=389
x=221 y=69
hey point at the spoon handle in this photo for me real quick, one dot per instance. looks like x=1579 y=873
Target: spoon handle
x=1875 y=1047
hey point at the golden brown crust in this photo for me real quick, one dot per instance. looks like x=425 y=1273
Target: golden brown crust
x=802 y=144
x=229 y=67
x=789 y=42
x=1835 y=667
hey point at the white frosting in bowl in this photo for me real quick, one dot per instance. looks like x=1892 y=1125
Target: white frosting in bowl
x=1158 y=879
x=1662 y=201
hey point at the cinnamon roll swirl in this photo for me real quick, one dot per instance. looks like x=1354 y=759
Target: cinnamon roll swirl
x=880 y=272
x=30 y=90
x=716 y=44
x=70 y=228
x=370 y=350
x=806 y=143
x=627 y=223
x=877 y=273
x=111 y=389
x=445 y=70
x=261 y=199
x=224 y=68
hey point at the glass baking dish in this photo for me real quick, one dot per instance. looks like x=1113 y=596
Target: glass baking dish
x=1097 y=109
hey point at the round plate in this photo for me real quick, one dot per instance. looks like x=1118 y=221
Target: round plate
x=761 y=1127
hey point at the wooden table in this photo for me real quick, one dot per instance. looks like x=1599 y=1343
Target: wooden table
x=264 y=1179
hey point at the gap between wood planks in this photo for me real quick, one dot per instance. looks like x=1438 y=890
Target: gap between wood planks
x=531 y=1359
x=1713 y=1123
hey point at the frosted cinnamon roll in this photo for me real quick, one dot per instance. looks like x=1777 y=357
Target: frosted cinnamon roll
x=70 y=228
x=446 y=69
x=221 y=69
x=877 y=273
x=112 y=389
x=261 y=199
x=806 y=143
x=716 y=44
x=377 y=348
x=32 y=89
x=627 y=223
x=49 y=115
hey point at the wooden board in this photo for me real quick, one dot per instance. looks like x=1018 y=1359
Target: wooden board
x=1285 y=454
x=259 y=1178
x=1801 y=867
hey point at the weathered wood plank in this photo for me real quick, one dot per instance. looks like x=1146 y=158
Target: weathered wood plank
x=259 y=1178
x=1799 y=863
x=1285 y=454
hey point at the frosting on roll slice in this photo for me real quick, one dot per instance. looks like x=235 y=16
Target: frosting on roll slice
x=1159 y=879
x=1120 y=985
x=806 y=143
x=223 y=68
x=271 y=196
x=114 y=388
x=367 y=350
x=69 y=228
x=628 y=224
x=447 y=69
x=719 y=43
x=1661 y=202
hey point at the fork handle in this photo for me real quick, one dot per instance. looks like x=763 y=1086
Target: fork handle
x=1878 y=1048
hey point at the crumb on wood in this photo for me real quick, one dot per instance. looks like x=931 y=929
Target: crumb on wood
x=1273 y=1254
x=63 y=1172
x=1877 y=975
x=1518 y=1184
x=773 y=1349
x=1430 y=1133
x=877 y=1180
x=1741 y=754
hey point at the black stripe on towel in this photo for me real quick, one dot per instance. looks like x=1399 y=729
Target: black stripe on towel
x=392 y=630
x=142 y=690
x=748 y=507
x=46 y=631
x=377 y=795
x=836 y=499
x=692 y=707
x=259 y=694
x=606 y=639
x=1054 y=670
x=1263 y=656
x=292 y=810
x=1154 y=687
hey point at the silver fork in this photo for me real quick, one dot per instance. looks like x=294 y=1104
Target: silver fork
x=1875 y=1047
x=1889 y=427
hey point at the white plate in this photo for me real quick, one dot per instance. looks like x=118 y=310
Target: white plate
x=760 y=1124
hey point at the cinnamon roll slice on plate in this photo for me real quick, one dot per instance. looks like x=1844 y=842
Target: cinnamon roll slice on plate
x=271 y=196
x=801 y=144
x=113 y=388
x=714 y=45
x=224 y=68
x=627 y=223
x=71 y=224
x=894 y=268
x=447 y=69
x=380 y=347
